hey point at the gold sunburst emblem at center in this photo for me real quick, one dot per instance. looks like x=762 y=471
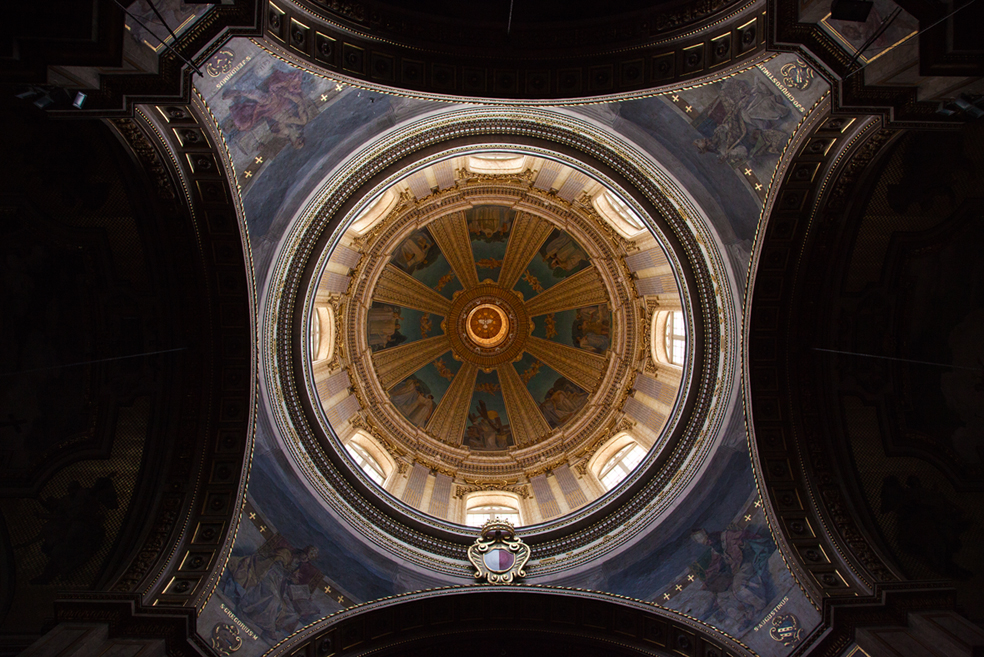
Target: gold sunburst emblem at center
x=487 y=325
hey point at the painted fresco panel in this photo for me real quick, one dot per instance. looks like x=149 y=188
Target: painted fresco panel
x=558 y=327
x=591 y=329
x=384 y=326
x=488 y=424
x=559 y=399
x=489 y=227
x=414 y=399
x=419 y=256
x=559 y=257
x=586 y=328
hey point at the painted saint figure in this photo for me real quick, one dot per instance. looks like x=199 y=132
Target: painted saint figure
x=734 y=570
x=562 y=402
x=487 y=432
x=413 y=398
x=489 y=223
x=591 y=329
x=279 y=103
x=383 y=329
x=416 y=252
x=272 y=587
x=563 y=254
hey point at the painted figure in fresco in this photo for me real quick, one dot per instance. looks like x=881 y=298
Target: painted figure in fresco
x=563 y=254
x=735 y=574
x=383 y=329
x=279 y=103
x=73 y=529
x=489 y=223
x=413 y=398
x=486 y=431
x=562 y=401
x=273 y=586
x=592 y=329
x=416 y=252
x=928 y=526
x=744 y=122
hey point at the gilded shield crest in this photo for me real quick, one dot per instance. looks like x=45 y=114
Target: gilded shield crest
x=498 y=554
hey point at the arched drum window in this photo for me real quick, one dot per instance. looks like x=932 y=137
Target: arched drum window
x=365 y=460
x=620 y=465
x=676 y=338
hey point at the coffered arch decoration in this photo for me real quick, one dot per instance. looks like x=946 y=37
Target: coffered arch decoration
x=548 y=621
x=367 y=272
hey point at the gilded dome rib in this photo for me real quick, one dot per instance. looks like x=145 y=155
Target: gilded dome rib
x=528 y=423
x=451 y=415
x=581 y=367
x=577 y=291
x=395 y=364
x=451 y=234
x=529 y=232
x=398 y=287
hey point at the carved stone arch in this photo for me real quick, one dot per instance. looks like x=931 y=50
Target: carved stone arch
x=541 y=621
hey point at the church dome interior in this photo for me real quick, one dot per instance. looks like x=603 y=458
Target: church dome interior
x=365 y=328
x=492 y=333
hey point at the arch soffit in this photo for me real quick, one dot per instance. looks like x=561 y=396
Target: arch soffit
x=451 y=611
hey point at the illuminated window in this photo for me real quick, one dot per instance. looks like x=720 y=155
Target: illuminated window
x=618 y=213
x=479 y=515
x=496 y=156
x=323 y=333
x=375 y=212
x=315 y=335
x=365 y=461
x=676 y=338
x=496 y=163
x=623 y=210
x=621 y=464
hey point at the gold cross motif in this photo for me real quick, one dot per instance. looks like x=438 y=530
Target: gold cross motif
x=666 y=596
x=679 y=588
x=758 y=503
x=748 y=172
x=341 y=599
x=688 y=109
x=675 y=98
x=324 y=97
x=338 y=86
x=690 y=578
x=262 y=528
x=327 y=589
x=259 y=159
x=748 y=517
x=758 y=187
x=247 y=174
x=252 y=516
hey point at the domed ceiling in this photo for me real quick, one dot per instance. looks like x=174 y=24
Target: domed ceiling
x=492 y=330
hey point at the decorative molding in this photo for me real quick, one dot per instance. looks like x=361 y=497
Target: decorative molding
x=668 y=47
